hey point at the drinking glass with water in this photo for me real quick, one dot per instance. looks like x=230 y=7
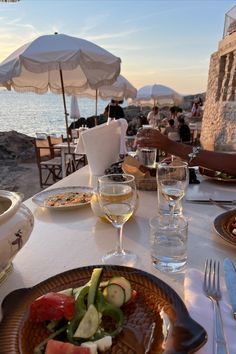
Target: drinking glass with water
x=168 y=243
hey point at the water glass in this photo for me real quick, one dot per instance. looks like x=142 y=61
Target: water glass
x=168 y=243
x=147 y=156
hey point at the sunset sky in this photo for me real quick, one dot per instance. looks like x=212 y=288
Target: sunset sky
x=163 y=42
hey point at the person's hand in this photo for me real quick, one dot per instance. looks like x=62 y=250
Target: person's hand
x=151 y=138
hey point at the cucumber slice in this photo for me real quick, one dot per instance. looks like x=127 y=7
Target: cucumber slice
x=89 y=324
x=95 y=280
x=125 y=284
x=114 y=294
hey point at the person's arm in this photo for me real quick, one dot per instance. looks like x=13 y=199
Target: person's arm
x=218 y=161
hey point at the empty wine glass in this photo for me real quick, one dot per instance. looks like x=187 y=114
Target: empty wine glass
x=172 y=179
x=117 y=197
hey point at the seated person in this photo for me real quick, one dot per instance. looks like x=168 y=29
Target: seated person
x=101 y=119
x=76 y=124
x=171 y=131
x=196 y=110
x=114 y=110
x=171 y=127
x=91 y=121
x=184 y=131
x=153 y=117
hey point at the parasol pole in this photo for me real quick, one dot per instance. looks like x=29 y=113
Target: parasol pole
x=96 y=107
x=65 y=110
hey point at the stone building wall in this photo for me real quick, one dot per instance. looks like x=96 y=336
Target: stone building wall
x=219 y=118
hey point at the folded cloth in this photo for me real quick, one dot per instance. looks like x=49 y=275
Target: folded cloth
x=123 y=128
x=101 y=145
x=201 y=310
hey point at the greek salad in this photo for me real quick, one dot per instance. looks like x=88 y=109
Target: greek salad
x=83 y=320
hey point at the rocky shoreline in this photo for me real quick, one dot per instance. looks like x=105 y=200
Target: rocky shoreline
x=19 y=171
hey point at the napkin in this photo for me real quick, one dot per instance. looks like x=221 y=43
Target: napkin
x=201 y=310
x=123 y=128
x=101 y=145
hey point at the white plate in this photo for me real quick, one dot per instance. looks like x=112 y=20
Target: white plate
x=41 y=198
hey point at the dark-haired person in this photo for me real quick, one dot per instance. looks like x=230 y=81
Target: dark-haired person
x=184 y=131
x=214 y=160
x=114 y=110
x=171 y=128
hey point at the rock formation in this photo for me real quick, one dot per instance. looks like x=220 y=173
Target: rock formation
x=219 y=118
x=16 y=146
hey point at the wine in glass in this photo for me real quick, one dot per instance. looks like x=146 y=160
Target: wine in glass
x=173 y=179
x=117 y=198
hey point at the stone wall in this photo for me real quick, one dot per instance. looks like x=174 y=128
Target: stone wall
x=219 y=118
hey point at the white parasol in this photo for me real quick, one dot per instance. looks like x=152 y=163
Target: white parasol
x=74 y=108
x=161 y=95
x=61 y=64
x=119 y=90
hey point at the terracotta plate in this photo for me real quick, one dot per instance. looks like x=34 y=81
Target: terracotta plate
x=156 y=303
x=214 y=175
x=223 y=226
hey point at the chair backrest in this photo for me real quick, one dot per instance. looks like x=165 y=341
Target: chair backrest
x=53 y=140
x=41 y=135
x=42 y=147
x=42 y=150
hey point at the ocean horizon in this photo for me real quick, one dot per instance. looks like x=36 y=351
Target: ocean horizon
x=29 y=113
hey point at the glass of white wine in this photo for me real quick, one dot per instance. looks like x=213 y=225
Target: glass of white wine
x=172 y=179
x=117 y=198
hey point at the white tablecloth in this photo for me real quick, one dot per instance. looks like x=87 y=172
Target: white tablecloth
x=63 y=240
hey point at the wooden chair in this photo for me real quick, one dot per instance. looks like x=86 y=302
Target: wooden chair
x=49 y=165
x=73 y=159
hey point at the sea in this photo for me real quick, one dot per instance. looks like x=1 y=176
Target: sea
x=30 y=113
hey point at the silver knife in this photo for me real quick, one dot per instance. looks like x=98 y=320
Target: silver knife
x=209 y=201
x=230 y=280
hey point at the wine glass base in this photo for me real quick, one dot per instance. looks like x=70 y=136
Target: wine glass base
x=124 y=258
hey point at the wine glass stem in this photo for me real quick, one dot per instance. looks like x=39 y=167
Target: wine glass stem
x=119 y=244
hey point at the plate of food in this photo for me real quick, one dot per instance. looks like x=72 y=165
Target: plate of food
x=225 y=226
x=216 y=175
x=112 y=309
x=64 y=197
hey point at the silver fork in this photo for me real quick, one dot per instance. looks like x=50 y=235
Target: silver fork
x=211 y=287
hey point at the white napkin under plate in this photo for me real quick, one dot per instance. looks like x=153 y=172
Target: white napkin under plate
x=102 y=145
x=201 y=310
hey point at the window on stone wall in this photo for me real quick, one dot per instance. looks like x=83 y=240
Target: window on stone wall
x=230 y=22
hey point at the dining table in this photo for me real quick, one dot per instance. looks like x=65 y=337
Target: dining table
x=63 y=147
x=67 y=239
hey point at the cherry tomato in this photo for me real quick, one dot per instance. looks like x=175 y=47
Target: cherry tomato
x=52 y=306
